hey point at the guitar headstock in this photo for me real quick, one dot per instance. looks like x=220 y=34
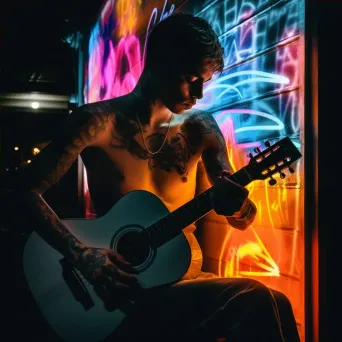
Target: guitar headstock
x=273 y=160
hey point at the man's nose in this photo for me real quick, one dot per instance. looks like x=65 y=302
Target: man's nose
x=197 y=91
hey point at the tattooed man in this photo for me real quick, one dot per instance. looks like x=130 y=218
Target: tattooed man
x=152 y=139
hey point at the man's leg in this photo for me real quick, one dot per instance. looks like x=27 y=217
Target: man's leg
x=205 y=309
x=287 y=317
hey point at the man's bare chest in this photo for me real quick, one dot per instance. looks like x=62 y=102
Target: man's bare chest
x=171 y=151
x=170 y=174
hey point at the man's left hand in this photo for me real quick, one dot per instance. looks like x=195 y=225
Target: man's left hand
x=228 y=197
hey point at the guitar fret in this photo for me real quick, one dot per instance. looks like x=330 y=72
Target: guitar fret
x=153 y=231
x=172 y=224
x=159 y=230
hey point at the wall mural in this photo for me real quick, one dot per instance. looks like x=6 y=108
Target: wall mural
x=258 y=97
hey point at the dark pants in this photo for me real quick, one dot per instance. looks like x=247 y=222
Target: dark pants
x=193 y=310
x=206 y=309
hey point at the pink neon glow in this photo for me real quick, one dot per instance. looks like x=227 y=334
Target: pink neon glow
x=107 y=11
x=111 y=78
x=247 y=34
x=95 y=77
x=287 y=63
x=227 y=128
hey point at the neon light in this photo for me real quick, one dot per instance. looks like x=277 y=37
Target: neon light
x=279 y=126
x=126 y=16
x=164 y=13
x=153 y=17
x=257 y=252
x=267 y=77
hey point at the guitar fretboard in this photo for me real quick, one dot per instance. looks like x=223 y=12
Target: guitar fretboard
x=172 y=224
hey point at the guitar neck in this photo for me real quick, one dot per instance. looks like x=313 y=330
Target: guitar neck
x=172 y=224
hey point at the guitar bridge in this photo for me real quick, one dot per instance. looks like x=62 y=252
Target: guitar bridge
x=76 y=284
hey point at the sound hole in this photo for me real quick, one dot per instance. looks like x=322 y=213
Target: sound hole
x=133 y=247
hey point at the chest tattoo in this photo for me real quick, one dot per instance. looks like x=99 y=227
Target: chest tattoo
x=174 y=155
x=176 y=152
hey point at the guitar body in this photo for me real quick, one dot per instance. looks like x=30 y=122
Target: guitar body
x=48 y=274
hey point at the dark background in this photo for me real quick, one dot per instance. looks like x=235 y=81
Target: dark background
x=35 y=54
x=38 y=56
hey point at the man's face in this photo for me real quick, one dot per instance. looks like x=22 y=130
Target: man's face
x=179 y=92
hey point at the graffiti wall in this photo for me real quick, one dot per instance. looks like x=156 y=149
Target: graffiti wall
x=258 y=97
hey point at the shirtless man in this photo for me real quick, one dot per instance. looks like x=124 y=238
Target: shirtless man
x=151 y=139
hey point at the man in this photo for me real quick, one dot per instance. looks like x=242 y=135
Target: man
x=150 y=139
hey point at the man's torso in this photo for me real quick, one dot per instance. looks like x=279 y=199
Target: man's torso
x=123 y=164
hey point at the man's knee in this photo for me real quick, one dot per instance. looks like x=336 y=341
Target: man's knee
x=282 y=300
x=262 y=297
x=244 y=291
x=251 y=285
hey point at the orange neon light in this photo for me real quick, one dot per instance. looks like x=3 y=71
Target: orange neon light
x=250 y=256
x=126 y=16
x=258 y=254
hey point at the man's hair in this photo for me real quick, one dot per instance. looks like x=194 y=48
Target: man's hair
x=183 y=41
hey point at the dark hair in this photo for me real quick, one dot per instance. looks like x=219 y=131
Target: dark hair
x=183 y=40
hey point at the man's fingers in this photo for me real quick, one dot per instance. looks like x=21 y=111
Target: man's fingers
x=128 y=279
x=113 y=275
x=226 y=173
x=120 y=261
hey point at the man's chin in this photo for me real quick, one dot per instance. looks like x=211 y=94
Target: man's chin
x=180 y=109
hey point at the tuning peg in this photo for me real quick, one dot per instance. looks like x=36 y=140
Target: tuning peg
x=272 y=181
x=267 y=143
x=257 y=150
x=282 y=175
x=291 y=169
x=250 y=155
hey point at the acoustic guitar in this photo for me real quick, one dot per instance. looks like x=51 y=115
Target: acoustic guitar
x=142 y=229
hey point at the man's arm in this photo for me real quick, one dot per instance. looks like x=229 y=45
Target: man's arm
x=24 y=194
x=216 y=162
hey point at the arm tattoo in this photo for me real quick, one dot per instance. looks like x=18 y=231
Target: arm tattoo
x=46 y=223
x=81 y=130
x=58 y=156
x=215 y=158
x=94 y=260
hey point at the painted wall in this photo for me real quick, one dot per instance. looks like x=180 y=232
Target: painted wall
x=258 y=97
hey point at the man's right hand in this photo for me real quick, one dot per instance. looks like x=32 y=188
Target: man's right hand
x=110 y=274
